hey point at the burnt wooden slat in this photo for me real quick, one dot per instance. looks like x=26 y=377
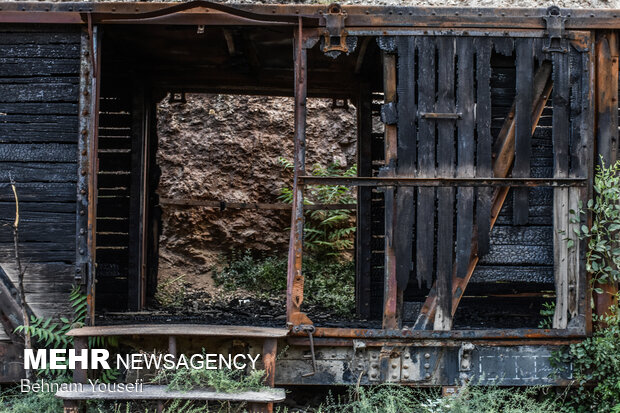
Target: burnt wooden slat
x=41 y=152
x=445 y=196
x=561 y=130
x=27 y=67
x=425 y=220
x=465 y=160
x=364 y=200
x=57 y=51
x=35 y=109
x=523 y=125
x=39 y=92
x=405 y=206
x=48 y=37
x=37 y=172
x=39 y=192
x=484 y=196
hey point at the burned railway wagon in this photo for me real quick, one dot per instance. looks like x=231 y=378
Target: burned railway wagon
x=478 y=132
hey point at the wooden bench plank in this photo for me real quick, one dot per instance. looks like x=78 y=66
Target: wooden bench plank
x=158 y=392
x=180 y=330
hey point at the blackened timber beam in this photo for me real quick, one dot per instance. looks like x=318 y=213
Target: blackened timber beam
x=606 y=134
x=503 y=160
x=136 y=203
x=392 y=298
x=363 y=231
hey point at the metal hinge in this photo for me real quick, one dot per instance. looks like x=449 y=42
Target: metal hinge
x=335 y=36
x=555 y=41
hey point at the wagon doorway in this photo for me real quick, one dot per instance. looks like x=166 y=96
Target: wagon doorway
x=489 y=135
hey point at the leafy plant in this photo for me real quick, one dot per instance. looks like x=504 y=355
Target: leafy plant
x=224 y=380
x=49 y=332
x=596 y=369
x=391 y=398
x=329 y=231
x=329 y=284
x=603 y=250
x=547 y=312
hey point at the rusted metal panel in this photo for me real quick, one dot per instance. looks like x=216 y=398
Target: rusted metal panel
x=87 y=165
x=295 y=278
x=424 y=366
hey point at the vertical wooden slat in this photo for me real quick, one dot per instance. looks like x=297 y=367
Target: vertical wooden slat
x=578 y=160
x=425 y=232
x=523 y=126
x=560 y=133
x=445 y=196
x=405 y=207
x=465 y=157
x=364 y=195
x=392 y=298
x=136 y=204
x=484 y=168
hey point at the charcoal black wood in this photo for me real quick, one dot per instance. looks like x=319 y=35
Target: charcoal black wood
x=561 y=114
x=484 y=159
x=445 y=168
x=405 y=205
x=523 y=125
x=425 y=221
x=465 y=154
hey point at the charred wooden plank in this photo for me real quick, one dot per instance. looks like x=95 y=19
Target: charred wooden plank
x=425 y=222
x=39 y=152
x=445 y=196
x=38 y=172
x=561 y=156
x=392 y=297
x=523 y=125
x=484 y=196
x=465 y=160
x=405 y=205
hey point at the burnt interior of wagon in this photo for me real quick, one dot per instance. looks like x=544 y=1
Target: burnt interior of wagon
x=470 y=155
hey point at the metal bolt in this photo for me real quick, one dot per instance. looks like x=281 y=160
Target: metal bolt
x=82 y=231
x=427 y=355
x=407 y=356
x=427 y=376
x=394 y=376
x=373 y=375
x=81 y=251
x=82 y=212
x=405 y=376
x=394 y=365
x=83 y=192
x=405 y=366
x=86 y=93
x=84 y=132
x=427 y=365
x=374 y=365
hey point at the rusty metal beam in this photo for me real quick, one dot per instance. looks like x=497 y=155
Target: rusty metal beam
x=441 y=181
x=253 y=14
x=295 y=278
x=493 y=334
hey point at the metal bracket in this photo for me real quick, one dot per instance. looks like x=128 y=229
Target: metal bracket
x=555 y=41
x=309 y=329
x=335 y=35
